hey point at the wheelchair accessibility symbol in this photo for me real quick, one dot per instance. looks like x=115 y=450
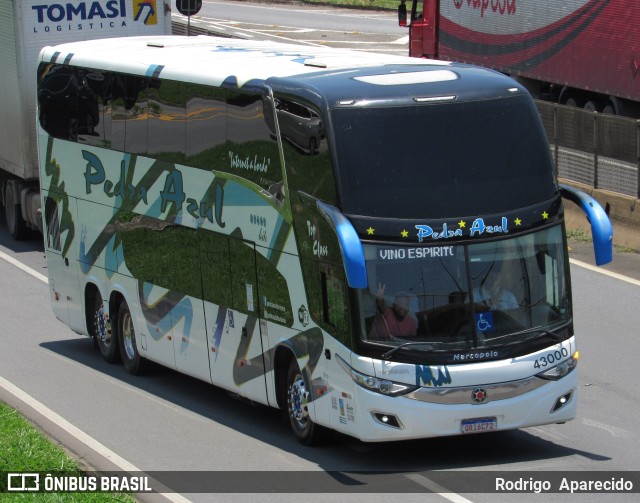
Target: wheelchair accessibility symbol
x=484 y=322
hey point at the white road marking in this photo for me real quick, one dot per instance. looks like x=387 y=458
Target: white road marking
x=23 y=267
x=612 y=430
x=401 y=41
x=437 y=488
x=89 y=441
x=611 y=274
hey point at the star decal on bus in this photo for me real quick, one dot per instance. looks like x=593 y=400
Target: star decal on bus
x=517 y=221
x=404 y=233
x=370 y=231
x=545 y=215
x=462 y=224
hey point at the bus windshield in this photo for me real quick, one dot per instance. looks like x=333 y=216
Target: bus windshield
x=438 y=160
x=466 y=296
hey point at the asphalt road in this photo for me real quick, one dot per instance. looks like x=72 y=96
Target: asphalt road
x=165 y=421
x=364 y=30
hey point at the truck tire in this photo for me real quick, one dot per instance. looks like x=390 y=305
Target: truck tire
x=13 y=215
x=593 y=106
x=575 y=102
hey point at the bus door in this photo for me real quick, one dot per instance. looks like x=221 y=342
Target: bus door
x=187 y=316
x=230 y=288
x=423 y=33
x=59 y=234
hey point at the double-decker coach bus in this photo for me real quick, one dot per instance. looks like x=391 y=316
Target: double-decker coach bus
x=374 y=244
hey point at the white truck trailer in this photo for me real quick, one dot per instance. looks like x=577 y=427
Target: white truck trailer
x=25 y=27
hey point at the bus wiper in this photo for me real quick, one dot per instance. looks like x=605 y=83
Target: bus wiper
x=552 y=335
x=386 y=355
x=541 y=332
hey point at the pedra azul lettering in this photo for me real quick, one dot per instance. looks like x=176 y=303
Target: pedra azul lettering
x=172 y=193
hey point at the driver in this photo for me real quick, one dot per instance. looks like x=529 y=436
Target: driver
x=393 y=321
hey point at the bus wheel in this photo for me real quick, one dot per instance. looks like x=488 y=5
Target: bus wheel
x=305 y=430
x=131 y=359
x=106 y=338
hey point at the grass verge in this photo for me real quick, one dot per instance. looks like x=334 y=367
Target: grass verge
x=370 y=4
x=24 y=448
x=579 y=235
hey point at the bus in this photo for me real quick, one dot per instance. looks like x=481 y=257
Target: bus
x=373 y=244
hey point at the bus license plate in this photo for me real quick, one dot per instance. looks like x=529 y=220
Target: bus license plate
x=479 y=425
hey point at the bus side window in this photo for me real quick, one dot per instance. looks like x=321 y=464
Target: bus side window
x=105 y=112
x=137 y=141
x=167 y=120
x=93 y=99
x=252 y=147
x=305 y=147
x=206 y=127
x=334 y=301
x=58 y=101
x=116 y=114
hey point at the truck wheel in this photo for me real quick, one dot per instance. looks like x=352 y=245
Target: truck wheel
x=131 y=359
x=107 y=339
x=305 y=430
x=16 y=225
x=593 y=106
x=575 y=102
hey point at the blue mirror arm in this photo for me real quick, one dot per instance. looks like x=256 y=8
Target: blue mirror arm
x=601 y=228
x=350 y=245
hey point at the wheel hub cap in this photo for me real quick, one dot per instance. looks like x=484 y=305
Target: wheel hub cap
x=298 y=399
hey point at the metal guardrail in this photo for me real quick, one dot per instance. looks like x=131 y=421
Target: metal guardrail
x=595 y=149
x=180 y=28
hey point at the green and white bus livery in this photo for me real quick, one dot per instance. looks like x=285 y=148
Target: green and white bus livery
x=373 y=244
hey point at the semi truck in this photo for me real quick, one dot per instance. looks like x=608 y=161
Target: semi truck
x=583 y=53
x=25 y=27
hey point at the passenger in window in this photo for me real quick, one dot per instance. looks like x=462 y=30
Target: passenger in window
x=393 y=322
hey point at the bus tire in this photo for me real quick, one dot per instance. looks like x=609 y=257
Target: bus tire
x=131 y=358
x=305 y=430
x=106 y=339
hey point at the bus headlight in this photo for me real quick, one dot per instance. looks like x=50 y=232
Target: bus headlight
x=382 y=386
x=560 y=370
